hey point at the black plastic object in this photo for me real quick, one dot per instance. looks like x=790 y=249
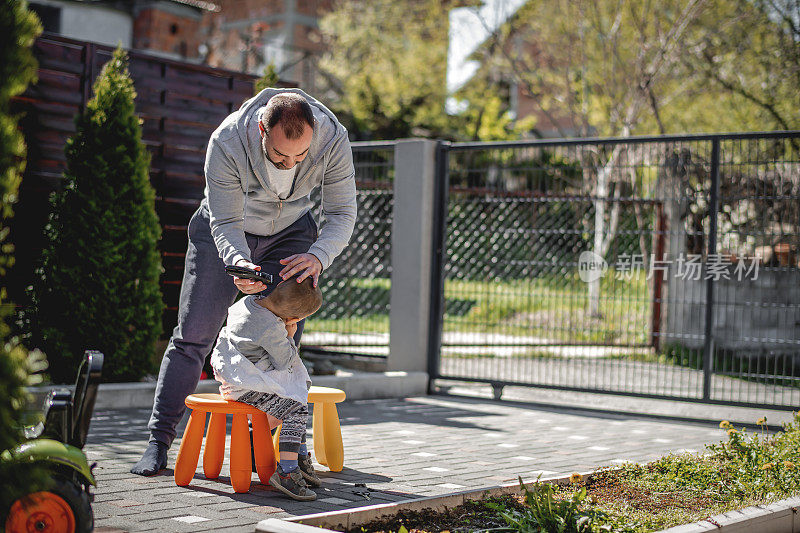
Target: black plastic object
x=67 y=414
x=85 y=395
x=249 y=273
x=57 y=416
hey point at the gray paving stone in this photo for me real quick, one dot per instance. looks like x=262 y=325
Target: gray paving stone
x=470 y=437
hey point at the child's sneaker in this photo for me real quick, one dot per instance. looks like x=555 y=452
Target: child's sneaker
x=292 y=484
x=307 y=470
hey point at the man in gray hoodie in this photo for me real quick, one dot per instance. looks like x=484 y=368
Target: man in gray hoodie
x=262 y=164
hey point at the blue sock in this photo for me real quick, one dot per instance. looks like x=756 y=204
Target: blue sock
x=288 y=465
x=303 y=450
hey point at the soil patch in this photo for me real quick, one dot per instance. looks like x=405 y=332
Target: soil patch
x=470 y=516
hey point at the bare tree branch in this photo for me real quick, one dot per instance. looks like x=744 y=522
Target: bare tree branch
x=740 y=90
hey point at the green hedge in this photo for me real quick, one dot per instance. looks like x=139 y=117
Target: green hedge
x=18 y=28
x=98 y=284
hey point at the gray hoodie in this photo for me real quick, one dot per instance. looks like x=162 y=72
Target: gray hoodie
x=254 y=352
x=235 y=162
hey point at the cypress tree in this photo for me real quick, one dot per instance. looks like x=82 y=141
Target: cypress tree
x=270 y=78
x=98 y=285
x=18 y=28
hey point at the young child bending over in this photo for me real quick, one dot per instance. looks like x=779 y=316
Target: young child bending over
x=257 y=362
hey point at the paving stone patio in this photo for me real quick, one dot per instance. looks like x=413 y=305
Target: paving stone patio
x=394 y=450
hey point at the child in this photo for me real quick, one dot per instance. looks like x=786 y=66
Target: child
x=257 y=362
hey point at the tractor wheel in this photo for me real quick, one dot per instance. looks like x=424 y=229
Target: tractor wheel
x=63 y=507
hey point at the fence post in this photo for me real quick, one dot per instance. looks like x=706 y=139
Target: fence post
x=412 y=247
x=438 y=261
x=87 y=75
x=713 y=206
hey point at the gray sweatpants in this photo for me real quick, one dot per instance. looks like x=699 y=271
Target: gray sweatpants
x=206 y=293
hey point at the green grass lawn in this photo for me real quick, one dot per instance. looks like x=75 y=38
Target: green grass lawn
x=552 y=308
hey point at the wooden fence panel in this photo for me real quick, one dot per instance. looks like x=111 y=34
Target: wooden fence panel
x=180 y=105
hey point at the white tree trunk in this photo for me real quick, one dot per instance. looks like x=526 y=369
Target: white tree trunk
x=599 y=226
x=604 y=232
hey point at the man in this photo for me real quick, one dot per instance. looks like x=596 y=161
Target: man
x=262 y=164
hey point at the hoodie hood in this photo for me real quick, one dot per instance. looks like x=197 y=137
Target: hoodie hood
x=325 y=133
x=241 y=198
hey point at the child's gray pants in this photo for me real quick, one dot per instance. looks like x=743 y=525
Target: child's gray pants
x=206 y=293
x=293 y=414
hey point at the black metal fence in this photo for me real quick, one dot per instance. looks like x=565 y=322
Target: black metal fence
x=660 y=267
x=355 y=317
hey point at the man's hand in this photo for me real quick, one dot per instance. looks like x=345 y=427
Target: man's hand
x=291 y=327
x=248 y=286
x=308 y=264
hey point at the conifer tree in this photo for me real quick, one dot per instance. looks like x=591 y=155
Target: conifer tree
x=270 y=78
x=98 y=286
x=18 y=28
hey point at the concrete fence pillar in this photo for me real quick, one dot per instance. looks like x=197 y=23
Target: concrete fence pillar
x=414 y=186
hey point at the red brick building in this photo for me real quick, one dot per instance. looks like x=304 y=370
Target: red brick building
x=172 y=28
x=248 y=35
x=169 y=28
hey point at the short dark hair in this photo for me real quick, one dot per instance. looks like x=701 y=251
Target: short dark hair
x=295 y=300
x=291 y=110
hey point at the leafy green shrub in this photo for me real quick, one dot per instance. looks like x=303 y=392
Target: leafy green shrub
x=759 y=464
x=18 y=28
x=545 y=513
x=98 y=285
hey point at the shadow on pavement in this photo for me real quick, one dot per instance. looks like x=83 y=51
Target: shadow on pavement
x=705 y=414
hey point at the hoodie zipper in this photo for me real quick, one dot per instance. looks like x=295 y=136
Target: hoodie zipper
x=280 y=210
x=305 y=176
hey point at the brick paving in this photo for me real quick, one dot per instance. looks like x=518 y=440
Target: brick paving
x=394 y=450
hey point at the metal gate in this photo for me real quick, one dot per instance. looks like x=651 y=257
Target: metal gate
x=355 y=318
x=663 y=267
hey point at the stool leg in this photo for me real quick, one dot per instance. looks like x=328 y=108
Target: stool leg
x=215 y=446
x=318 y=427
x=276 y=442
x=241 y=467
x=189 y=452
x=263 y=448
x=334 y=452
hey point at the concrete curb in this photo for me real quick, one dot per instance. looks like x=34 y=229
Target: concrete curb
x=349 y=518
x=276 y=525
x=357 y=385
x=778 y=517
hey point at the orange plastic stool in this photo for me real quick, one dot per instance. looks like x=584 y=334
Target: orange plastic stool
x=241 y=466
x=328 y=447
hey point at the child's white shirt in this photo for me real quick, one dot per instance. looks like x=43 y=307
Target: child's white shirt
x=254 y=353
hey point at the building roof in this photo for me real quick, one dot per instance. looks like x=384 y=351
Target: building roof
x=204 y=5
x=200 y=4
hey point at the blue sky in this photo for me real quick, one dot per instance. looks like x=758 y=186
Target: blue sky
x=469 y=27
